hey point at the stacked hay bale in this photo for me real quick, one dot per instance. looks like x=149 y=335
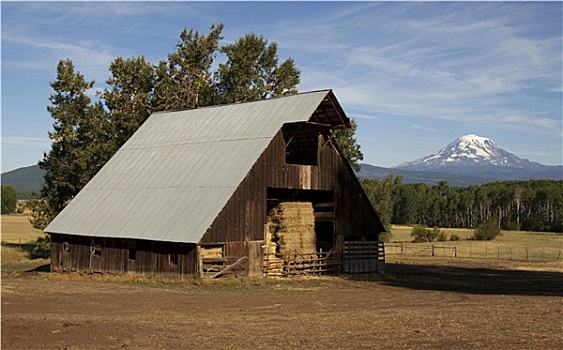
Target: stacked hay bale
x=291 y=226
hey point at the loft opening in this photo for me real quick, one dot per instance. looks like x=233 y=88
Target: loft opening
x=302 y=142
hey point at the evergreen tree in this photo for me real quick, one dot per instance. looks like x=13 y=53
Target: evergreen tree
x=9 y=199
x=79 y=147
x=346 y=140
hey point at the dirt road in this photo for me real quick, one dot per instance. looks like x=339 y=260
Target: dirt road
x=413 y=306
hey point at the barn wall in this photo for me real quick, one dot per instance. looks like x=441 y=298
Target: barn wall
x=71 y=253
x=354 y=215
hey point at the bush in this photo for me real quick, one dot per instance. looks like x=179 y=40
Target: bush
x=454 y=237
x=41 y=248
x=424 y=234
x=487 y=231
x=441 y=236
x=386 y=236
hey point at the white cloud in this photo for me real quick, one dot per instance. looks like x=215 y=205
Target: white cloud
x=26 y=142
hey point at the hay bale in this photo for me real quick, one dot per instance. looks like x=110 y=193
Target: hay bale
x=292 y=228
x=211 y=252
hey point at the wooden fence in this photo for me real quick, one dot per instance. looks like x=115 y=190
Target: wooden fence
x=482 y=251
x=292 y=264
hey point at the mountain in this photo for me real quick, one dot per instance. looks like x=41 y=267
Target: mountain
x=371 y=172
x=24 y=180
x=477 y=156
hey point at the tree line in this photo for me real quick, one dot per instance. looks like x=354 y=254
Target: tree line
x=86 y=132
x=532 y=205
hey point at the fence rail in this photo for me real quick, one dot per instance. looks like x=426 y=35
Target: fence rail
x=483 y=251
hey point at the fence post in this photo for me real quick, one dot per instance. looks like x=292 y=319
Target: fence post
x=455 y=251
x=401 y=248
x=432 y=249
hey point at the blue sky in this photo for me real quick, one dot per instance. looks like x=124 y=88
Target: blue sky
x=414 y=75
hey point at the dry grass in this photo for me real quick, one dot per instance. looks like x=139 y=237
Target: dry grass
x=510 y=245
x=16 y=228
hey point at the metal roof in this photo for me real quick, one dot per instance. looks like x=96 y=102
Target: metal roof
x=171 y=179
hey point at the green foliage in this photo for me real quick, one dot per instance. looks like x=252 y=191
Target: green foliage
x=386 y=236
x=40 y=248
x=252 y=71
x=423 y=234
x=129 y=97
x=487 y=231
x=379 y=194
x=346 y=142
x=533 y=205
x=9 y=199
x=184 y=80
x=454 y=237
x=41 y=212
x=78 y=148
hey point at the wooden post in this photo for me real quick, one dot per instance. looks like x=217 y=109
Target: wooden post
x=432 y=249
x=199 y=262
x=455 y=251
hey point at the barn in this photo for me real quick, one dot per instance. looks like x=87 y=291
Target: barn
x=257 y=188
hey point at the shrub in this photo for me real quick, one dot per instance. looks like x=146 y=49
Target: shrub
x=441 y=236
x=386 y=236
x=41 y=248
x=487 y=231
x=454 y=237
x=424 y=234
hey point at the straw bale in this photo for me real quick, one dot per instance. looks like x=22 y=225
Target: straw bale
x=292 y=228
x=211 y=252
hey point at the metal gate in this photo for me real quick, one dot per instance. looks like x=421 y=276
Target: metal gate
x=363 y=257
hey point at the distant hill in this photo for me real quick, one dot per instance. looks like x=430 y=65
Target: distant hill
x=24 y=180
x=368 y=172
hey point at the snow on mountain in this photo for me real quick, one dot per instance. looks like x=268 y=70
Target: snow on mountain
x=469 y=150
x=480 y=156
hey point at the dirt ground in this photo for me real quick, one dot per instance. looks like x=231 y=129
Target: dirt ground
x=419 y=303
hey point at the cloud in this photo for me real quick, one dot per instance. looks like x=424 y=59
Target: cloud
x=90 y=57
x=419 y=127
x=26 y=142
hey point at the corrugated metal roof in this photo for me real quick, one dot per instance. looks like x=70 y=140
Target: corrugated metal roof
x=171 y=179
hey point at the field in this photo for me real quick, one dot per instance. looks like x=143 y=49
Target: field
x=17 y=229
x=510 y=245
x=419 y=303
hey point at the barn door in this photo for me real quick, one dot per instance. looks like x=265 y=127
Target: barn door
x=363 y=257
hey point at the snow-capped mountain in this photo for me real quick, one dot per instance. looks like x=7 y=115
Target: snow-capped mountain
x=480 y=156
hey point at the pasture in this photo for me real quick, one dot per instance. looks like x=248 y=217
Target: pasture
x=419 y=303
x=510 y=245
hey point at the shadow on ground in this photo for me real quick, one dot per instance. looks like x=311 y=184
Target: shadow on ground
x=473 y=280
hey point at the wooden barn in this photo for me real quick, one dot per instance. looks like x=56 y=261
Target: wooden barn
x=257 y=189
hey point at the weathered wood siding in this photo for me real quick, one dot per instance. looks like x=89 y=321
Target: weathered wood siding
x=244 y=215
x=70 y=253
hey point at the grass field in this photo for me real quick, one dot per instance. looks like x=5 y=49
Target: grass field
x=511 y=245
x=16 y=228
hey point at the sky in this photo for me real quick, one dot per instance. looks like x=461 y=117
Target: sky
x=414 y=75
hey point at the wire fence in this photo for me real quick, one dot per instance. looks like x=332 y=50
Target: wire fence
x=483 y=251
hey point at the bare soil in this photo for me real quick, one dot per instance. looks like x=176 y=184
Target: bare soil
x=419 y=303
